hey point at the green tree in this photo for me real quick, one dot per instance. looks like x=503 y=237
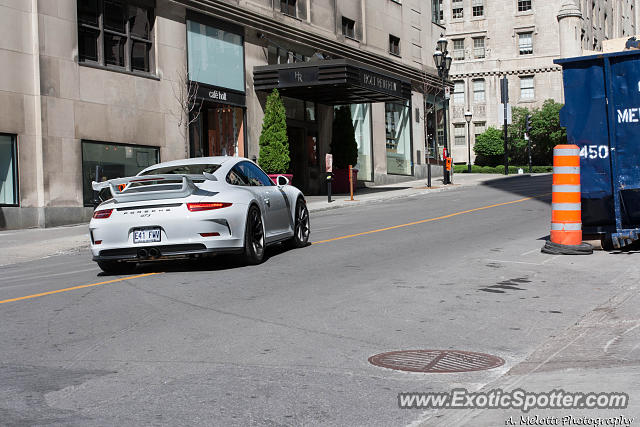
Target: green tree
x=518 y=154
x=546 y=132
x=274 y=143
x=489 y=148
x=344 y=146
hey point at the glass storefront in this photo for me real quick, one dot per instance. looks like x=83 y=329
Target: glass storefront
x=215 y=54
x=361 y=114
x=225 y=125
x=102 y=161
x=435 y=129
x=216 y=57
x=8 y=171
x=398 y=130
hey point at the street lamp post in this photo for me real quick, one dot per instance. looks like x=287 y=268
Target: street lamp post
x=467 y=117
x=442 y=61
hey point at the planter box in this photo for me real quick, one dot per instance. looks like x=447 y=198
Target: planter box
x=340 y=183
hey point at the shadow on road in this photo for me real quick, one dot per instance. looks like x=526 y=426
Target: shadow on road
x=219 y=262
x=524 y=186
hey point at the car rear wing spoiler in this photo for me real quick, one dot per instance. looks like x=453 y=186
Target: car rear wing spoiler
x=151 y=187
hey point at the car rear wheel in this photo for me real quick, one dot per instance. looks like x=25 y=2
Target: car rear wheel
x=115 y=267
x=254 y=243
x=302 y=227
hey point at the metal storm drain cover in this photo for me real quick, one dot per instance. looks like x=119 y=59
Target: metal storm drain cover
x=436 y=361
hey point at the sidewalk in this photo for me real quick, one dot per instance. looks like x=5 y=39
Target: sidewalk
x=35 y=243
x=600 y=353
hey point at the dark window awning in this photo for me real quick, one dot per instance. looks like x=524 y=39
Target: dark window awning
x=332 y=82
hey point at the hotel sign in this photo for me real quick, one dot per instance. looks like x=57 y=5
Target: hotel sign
x=380 y=83
x=297 y=76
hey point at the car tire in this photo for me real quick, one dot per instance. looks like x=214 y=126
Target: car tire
x=301 y=226
x=254 y=239
x=607 y=243
x=115 y=267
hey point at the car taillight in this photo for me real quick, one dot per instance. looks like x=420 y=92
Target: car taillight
x=102 y=214
x=195 y=207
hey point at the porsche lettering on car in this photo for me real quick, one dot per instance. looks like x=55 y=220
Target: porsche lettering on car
x=195 y=207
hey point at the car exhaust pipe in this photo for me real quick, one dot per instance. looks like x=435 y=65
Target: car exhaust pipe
x=143 y=254
x=154 y=253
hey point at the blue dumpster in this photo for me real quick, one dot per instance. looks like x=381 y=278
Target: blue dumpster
x=602 y=117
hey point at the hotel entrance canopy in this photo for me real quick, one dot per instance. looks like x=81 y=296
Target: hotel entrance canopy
x=331 y=82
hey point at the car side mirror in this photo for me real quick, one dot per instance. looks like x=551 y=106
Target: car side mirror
x=282 y=180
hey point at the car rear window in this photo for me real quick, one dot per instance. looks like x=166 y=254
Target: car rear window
x=191 y=169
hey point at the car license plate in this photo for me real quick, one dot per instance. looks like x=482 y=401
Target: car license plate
x=146 y=235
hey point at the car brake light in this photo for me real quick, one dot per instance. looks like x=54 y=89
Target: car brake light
x=98 y=242
x=102 y=214
x=195 y=207
x=209 y=234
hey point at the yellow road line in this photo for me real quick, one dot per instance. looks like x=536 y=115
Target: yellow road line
x=77 y=287
x=314 y=243
x=429 y=219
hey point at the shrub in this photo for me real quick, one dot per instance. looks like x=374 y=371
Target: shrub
x=489 y=148
x=274 y=143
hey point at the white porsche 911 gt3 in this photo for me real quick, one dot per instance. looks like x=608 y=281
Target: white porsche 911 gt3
x=195 y=207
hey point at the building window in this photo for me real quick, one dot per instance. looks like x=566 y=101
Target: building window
x=394 y=45
x=479 y=128
x=478 y=47
x=288 y=7
x=458 y=49
x=459 y=134
x=525 y=43
x=526 y=88
x=457 y=9
x=8 y=171
x=458 y=92
x=348 y=28
x=398 y=131
x=215 y=56
x=440 y=12
x=115 y=34
x=478 y=90
x=524 y=5
x=477 y=8
x=110 y=161
x=435 y=11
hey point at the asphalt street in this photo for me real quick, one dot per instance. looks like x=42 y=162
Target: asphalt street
x=287 y=342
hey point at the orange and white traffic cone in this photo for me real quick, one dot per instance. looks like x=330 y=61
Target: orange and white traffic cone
x=566 y=208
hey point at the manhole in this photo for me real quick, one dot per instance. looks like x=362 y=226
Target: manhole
x=436 y=361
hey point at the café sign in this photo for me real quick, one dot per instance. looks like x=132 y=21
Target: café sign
x=221 y=95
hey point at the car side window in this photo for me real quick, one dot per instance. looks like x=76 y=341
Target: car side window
x=237 y=177
x=254 y=175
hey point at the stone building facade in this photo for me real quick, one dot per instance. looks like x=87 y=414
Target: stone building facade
x=518 y=39
x=94 y=89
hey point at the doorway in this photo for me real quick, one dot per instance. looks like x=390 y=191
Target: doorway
x=303 y=152
x=219 y=131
